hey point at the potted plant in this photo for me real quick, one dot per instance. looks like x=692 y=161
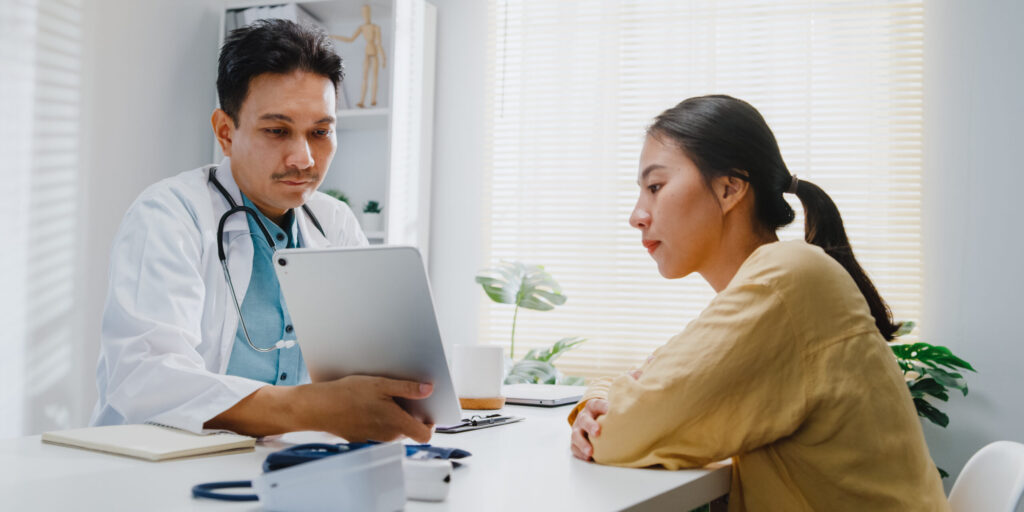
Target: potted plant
x=929 y=371
x=371 y=216
x=530 y=287
x=337 y=194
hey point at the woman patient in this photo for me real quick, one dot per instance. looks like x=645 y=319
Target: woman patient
x=787 y=370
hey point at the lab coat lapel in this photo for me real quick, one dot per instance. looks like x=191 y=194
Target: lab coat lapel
x=311 y=236
x=237 y=240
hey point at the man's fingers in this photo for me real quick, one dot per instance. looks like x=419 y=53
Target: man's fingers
x=409 y=426
x=405 y=388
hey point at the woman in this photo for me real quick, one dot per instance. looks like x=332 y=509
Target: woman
x=787 y=370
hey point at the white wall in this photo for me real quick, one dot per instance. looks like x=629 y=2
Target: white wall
x=150 y=70
x=455 y=229
x=973 y=243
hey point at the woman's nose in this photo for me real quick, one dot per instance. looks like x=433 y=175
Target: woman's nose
x=640 y=218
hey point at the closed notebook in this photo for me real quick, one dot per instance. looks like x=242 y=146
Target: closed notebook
x=149 y=442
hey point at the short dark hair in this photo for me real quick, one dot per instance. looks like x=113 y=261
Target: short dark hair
x=272 y=46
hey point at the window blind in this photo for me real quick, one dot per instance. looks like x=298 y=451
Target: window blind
x=41 y=57
x=572 y=85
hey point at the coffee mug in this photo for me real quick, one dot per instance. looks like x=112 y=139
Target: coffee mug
x=479 y=371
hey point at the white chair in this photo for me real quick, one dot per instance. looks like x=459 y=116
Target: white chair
x=992 y=481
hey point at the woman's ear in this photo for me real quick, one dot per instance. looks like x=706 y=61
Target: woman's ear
x=730 y=191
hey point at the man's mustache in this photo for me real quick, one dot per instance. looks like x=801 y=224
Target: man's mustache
x=295 y=175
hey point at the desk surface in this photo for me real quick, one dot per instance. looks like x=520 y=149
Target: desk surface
x=522 y=466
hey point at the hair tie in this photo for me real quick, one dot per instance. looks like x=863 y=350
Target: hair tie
x=792 y=185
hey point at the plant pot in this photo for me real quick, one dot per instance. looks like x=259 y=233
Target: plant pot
x=372 y=222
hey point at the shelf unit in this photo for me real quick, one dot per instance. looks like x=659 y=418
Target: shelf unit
x=384 y=152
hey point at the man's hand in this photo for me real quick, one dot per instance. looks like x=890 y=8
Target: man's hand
x=586 y=427
x=357 y=407
x=361 y=408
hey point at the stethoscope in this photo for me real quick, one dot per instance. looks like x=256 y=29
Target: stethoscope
x=235 y=208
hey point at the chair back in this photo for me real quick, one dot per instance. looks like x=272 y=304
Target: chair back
x=992 y=480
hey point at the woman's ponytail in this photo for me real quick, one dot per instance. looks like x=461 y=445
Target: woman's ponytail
x=725 y=136
x=823 y=226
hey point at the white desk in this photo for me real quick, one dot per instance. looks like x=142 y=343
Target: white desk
x=522 y=466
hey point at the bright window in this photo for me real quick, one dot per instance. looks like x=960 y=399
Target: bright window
x=572 y=87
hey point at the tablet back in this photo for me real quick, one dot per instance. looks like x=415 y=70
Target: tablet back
x=368 y=311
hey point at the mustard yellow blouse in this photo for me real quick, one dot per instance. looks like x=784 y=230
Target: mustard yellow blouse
x=786 y=373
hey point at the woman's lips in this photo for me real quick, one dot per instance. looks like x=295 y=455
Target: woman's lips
x=651 y=245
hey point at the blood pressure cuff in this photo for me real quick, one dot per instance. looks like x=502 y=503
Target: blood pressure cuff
x=313 y=451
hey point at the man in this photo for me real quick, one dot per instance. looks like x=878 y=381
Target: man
x=172 y=348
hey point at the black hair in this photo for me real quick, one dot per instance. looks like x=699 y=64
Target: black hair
x=725 y=136
x=272 y=46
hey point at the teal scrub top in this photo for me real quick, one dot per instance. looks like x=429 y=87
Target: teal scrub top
x=265 y=312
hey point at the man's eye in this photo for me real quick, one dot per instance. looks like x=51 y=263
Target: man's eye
x=322 y=133
x=654 y=188
x=275 y=131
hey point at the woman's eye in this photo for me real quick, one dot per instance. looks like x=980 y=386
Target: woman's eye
x=322 y=133
x=654 y=188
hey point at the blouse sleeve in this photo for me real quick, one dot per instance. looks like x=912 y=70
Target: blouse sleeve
x=731 y=382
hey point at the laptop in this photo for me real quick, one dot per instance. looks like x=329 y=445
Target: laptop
x=542 y=395
x=369 y=311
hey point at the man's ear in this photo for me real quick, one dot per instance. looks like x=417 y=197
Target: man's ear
x=223 y=129
x=730 y=191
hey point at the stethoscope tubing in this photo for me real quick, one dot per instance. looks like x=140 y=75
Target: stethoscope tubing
x=236 y=208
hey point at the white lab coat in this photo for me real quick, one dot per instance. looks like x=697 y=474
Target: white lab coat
x=169 y=323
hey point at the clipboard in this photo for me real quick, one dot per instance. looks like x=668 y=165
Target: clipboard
x=476 y=422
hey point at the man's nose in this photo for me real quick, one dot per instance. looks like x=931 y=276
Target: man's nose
x=300 y=155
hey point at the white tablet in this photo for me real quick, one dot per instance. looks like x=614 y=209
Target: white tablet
x=368 y=311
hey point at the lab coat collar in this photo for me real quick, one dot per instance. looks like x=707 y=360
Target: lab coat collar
x=311 y=236
x=238 y=222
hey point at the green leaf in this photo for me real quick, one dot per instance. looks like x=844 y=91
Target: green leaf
x=928 y=386
x=571 y=381
x=555 y=351
x=942 y=472
x=947 y=379
x=527 y=286
x=532 y=372
x=926 y=410
x=905 y=328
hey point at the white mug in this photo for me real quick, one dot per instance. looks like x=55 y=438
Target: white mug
x=478 y=370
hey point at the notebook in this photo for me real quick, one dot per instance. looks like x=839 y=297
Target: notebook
x=149 y=442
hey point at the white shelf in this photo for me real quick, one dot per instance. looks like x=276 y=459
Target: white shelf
x=363 y=118
x=375 y=235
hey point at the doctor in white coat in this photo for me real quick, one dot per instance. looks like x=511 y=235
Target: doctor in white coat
x=171 y=348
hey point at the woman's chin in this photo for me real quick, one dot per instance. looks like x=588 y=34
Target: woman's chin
x=669 y=271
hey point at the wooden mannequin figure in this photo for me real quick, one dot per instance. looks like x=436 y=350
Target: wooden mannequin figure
x=375 y=57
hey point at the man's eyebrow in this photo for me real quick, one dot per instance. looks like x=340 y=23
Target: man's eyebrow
x=276 y=117
x=650 y=168
x=282 y=117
